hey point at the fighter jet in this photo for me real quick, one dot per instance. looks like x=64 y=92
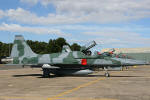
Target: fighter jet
x=123 y=58
x=139 y=56
x=66 y=62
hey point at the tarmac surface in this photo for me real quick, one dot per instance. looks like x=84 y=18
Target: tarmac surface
x=28 y=84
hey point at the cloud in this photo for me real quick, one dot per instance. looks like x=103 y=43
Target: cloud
x=119 y=38
x=29 y=2
x=94 y=19
x=35 y=30
x=24 y=16
x=104 y=11
x=83 y=11
x=2 y=14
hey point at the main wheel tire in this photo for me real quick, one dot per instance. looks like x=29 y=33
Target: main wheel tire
x=46 y=73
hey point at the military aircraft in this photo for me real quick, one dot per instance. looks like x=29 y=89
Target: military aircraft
x=66 y=62
x=125 y=60
x=139 y=56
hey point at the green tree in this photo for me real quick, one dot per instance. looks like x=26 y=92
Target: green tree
x=53 y=46
x=56 y=45
x=75 y=47
x=38 y=47
x=61 y=41
x=5 y=49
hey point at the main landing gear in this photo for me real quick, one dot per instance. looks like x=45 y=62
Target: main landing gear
x=106 y=72
x=46 y=73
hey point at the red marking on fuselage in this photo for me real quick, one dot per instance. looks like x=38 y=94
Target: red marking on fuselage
x=84 y=61
x=98 y=53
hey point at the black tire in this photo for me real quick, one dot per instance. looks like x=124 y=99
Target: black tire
x=46 y=73
x=107 y=75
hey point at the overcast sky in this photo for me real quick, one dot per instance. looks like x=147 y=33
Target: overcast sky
x=111 y=23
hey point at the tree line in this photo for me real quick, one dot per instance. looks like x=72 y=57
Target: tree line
x=53 y=46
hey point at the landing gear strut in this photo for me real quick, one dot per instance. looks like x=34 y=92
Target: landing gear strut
x=106 y=72
x=46 y=72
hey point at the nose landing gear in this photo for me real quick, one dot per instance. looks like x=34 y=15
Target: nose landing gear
x=106 y=72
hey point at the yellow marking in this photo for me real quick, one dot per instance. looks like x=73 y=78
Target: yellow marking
x=81 y=99
x=77 y=88
x=76 y=98
x=134 y=66
x=57 y=97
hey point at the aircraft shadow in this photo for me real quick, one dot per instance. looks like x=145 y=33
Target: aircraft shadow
x=34 y=75
x=55 y=76
x=104 y=76
x=85 y=76
x=124 y=76
x=27 y=75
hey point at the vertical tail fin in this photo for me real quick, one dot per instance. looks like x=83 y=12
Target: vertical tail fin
x=21 y=48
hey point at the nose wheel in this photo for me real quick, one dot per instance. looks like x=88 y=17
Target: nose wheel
x=106 y=72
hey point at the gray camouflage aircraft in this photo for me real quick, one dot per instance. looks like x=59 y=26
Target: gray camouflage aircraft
x=66 y=62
